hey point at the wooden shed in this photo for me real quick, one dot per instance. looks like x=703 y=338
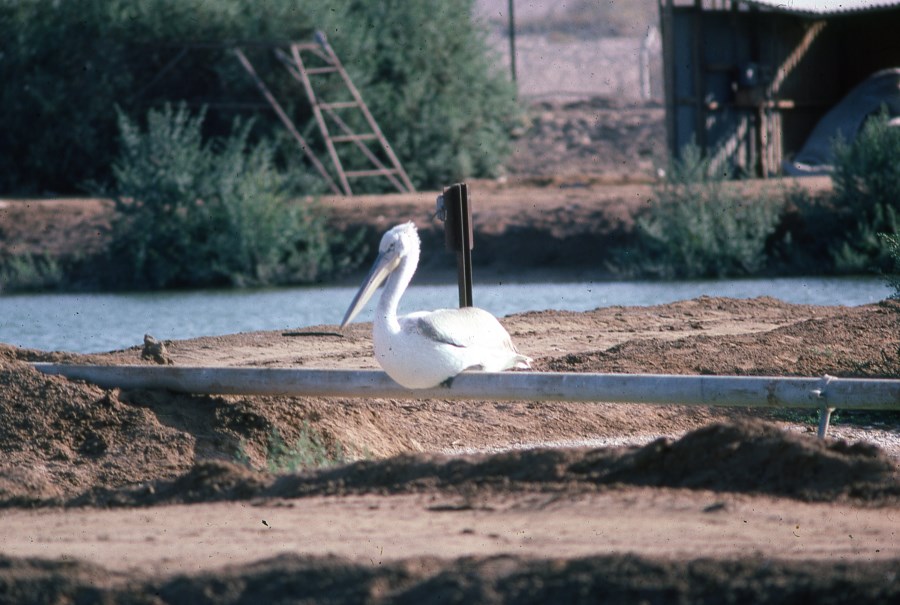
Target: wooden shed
x=748 y=80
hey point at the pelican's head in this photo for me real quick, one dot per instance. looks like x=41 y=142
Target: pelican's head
x=400 y=241
x=397 y=244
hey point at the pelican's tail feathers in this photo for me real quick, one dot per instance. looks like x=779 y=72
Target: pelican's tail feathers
x=522 y=362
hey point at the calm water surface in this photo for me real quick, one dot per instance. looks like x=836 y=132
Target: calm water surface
x=90 y=323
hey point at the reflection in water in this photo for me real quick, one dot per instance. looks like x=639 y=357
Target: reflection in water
x=102 y=322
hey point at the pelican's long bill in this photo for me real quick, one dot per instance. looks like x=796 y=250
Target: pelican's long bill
x=384 y=264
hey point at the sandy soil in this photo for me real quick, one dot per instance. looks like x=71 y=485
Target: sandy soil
x=139 y=496
x=130 y=493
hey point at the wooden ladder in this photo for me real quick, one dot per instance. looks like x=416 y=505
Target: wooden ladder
x=390 y=169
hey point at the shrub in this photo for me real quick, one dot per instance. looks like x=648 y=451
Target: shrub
x=806 y=230
x=867 y=195
x=696 y=227
x=195 y=213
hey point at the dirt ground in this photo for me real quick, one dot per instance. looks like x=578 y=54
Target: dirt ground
x=136 y=496
x=140 y=496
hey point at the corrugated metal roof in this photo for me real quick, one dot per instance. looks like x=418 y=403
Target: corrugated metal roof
x=824 y=7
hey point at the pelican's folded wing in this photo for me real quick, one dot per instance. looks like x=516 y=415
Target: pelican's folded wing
x=466 y=327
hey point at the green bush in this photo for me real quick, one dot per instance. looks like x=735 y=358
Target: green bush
x=422 y=67
x=696 y=227
x=195 y=213
x=867 y=196
x=807 y=226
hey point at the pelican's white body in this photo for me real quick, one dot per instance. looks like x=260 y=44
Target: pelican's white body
x=424 y=349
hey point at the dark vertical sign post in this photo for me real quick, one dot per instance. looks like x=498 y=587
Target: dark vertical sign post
x=455 y=211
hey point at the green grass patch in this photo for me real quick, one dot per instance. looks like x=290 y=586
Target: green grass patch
x=309 y=451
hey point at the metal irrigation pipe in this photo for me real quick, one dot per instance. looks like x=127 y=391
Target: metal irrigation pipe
x=824 y=394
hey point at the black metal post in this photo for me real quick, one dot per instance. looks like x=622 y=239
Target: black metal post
x=458 y=235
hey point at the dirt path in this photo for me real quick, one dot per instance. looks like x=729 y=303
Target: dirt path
x=371 y=529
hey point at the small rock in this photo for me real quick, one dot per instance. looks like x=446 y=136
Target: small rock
x=155 y=350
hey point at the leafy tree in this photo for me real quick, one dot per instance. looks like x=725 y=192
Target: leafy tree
x=422 y=67
x=427 y=73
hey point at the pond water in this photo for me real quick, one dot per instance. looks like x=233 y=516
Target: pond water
x=89 y=323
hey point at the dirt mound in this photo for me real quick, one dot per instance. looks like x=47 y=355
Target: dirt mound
x=57 y=437
x=754 y=457
x=746 y=457
x=471 y=580
x=61 y=438
x=749 y=456
x=860 y=342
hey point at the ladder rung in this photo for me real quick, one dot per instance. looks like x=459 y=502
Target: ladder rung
x=321 y=70
x=361 y=173
x=346 y=138
x=339 y=105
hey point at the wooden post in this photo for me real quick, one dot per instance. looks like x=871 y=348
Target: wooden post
x=667 y=31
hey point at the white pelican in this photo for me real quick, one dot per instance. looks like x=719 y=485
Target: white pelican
x=426 y=348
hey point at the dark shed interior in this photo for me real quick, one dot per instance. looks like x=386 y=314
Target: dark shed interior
x=748 y=81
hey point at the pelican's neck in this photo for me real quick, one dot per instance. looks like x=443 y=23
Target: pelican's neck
x=394 y=288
